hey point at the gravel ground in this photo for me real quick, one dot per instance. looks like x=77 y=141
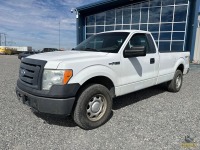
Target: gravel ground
x=151 y=119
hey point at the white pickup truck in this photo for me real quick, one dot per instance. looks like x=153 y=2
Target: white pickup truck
x=84 y=81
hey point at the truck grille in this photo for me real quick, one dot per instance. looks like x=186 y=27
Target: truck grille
x=30 y=72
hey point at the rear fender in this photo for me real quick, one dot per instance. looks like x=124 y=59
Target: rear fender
x=178 y=63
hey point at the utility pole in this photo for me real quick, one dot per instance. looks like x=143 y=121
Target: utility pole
x=0 y=39
x=59 y=35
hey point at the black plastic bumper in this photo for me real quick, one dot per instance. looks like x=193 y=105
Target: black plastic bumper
x=188 y=70
x=46 y=105
x=56 y=91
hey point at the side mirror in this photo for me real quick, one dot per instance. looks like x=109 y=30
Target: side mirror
x=135 y=52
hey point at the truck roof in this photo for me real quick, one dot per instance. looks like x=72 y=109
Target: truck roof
x=130 y=31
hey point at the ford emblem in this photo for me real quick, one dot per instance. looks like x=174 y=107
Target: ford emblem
x=23 y=72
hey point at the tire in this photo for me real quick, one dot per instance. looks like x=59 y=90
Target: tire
x=176 y=83
x=93 y=107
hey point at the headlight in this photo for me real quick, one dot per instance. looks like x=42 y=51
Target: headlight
x=55 y=77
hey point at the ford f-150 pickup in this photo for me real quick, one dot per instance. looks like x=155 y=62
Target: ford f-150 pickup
x=83 y=82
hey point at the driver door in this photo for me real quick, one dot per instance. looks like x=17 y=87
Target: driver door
x=139 y=72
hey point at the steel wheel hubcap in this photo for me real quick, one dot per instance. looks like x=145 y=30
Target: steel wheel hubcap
x=96 y=107
x=178 y=81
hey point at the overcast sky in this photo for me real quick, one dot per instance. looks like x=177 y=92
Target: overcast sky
x=36 y=22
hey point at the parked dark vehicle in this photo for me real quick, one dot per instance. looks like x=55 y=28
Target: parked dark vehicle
x=49 y=50
x=26 y=54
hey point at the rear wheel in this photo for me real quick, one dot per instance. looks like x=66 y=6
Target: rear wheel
x=176 y=83
x=93 y=107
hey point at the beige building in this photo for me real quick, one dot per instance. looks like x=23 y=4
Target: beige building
x=196 y=58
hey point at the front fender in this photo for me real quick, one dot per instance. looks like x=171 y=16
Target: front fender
x=94 y=71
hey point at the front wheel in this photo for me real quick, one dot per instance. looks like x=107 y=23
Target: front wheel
x=93 y=107
x=175 y=84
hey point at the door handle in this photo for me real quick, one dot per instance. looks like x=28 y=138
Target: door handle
x=152 y=60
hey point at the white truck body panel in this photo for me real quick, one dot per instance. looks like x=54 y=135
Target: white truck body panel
x=131 y=75
x=169 y=62
x=138 y=74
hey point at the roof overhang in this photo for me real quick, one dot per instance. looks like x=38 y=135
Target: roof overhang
x=104 y=5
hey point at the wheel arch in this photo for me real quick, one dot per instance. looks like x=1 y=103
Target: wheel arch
x=180 y=65
x=181 y=68
x=103 y=80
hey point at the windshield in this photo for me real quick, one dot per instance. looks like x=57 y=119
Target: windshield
x=105 y=42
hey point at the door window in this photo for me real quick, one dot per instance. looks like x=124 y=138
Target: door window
x=138 y=40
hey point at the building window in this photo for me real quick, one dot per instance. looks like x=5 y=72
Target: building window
x=167 y=14
x=119 y=16
x=135 y=16
x=99 y=29
x=180 y=13
x=154 y=14
x=135 y=27
x=165 y=19
x=127 y=15
x=110 y=17
x=91 y=20
x=100 y=18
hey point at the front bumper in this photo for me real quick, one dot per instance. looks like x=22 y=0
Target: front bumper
x=55 y=106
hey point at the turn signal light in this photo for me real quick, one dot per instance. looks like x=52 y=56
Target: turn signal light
x=67 y=76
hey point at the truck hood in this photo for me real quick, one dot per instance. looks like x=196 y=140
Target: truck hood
x=55 y=58
x=66 y=55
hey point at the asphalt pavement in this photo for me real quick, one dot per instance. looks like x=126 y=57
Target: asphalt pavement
x=150 y=119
